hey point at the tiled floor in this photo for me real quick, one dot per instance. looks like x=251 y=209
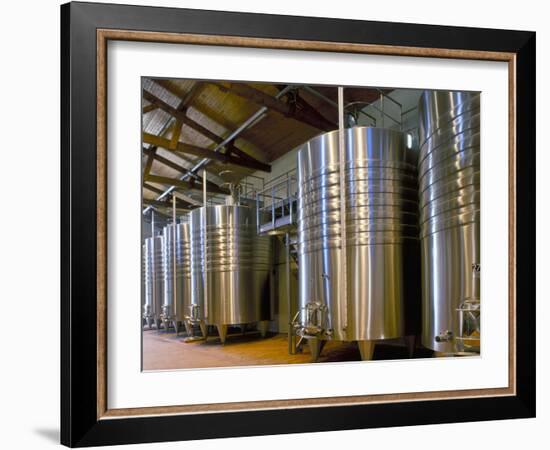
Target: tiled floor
x=163 y=350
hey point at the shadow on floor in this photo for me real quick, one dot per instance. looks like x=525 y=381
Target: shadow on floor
x=49 y=434
x=348 y=351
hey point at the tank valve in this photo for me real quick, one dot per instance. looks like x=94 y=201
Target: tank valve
x=446 y=336
x=166 y=313
x=194 y=314
x=315 y=321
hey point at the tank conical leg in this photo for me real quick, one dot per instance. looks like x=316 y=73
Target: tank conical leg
x=176 y=327
x=149 y=323
x=411 y=344
x=204 y=329
x=157 y=324
x=315 y=347
x=188 y=328
x=299 y=345
x=366 y=348
x=222 y=331
x=262 y=326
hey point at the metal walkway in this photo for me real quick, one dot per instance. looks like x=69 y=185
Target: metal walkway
x=276 y=205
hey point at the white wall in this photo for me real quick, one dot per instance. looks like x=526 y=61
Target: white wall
x=30 y=359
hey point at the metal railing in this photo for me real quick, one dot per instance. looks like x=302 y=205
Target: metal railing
x=276 y=204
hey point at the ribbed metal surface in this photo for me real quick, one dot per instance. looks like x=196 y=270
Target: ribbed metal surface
x=449 y=167
x=381 y=230
x=177 y=272
x=230 y=265
x=143 y=258
x=154 y=278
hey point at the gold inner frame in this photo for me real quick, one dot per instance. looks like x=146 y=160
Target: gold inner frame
x=104 y=35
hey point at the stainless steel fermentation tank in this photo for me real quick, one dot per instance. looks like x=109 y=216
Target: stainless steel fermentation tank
x=381 y=246
x=449 y=185
x=230 y=268
x=177 y=275
x=154 y=280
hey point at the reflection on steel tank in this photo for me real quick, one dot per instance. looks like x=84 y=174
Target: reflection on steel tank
x=230 y=268
x=449 y=182
x=382 y=289
x=177 y=275
x=154 y=281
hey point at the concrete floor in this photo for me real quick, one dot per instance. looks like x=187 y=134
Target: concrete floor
x=162 y=351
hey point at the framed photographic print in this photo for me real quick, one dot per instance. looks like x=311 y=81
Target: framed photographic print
x=277 y=224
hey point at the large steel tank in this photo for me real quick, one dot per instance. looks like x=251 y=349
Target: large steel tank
x=230 y=267
x=449 y=185
x=177 y=274
x=381 y=238
x=154 y=280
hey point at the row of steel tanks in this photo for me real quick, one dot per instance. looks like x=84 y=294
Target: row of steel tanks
x=403 y=260
x=358 y=277
x=167 y=279
x=211 y=270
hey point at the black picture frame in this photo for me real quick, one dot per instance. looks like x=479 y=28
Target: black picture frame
x=80 y=425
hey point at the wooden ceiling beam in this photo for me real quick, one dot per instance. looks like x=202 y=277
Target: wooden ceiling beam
x=149 y=163
x=188 y=121
x=176 y=133
x=190 y=184
x=303 y=103
x=179 y=196
x=261 y=99
x=181 y=115
x=305 y=106
x=187 y=159
x=198 y=151
x=152 y=188
x=237 y=151
x=175 y=129
x=211 y=186
x=148 y=108
x=187 y=96
x=178 y=113
x=184 y=148
x=167 y=162
x=183 y=184
x=167 y=204
x=174 y=165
